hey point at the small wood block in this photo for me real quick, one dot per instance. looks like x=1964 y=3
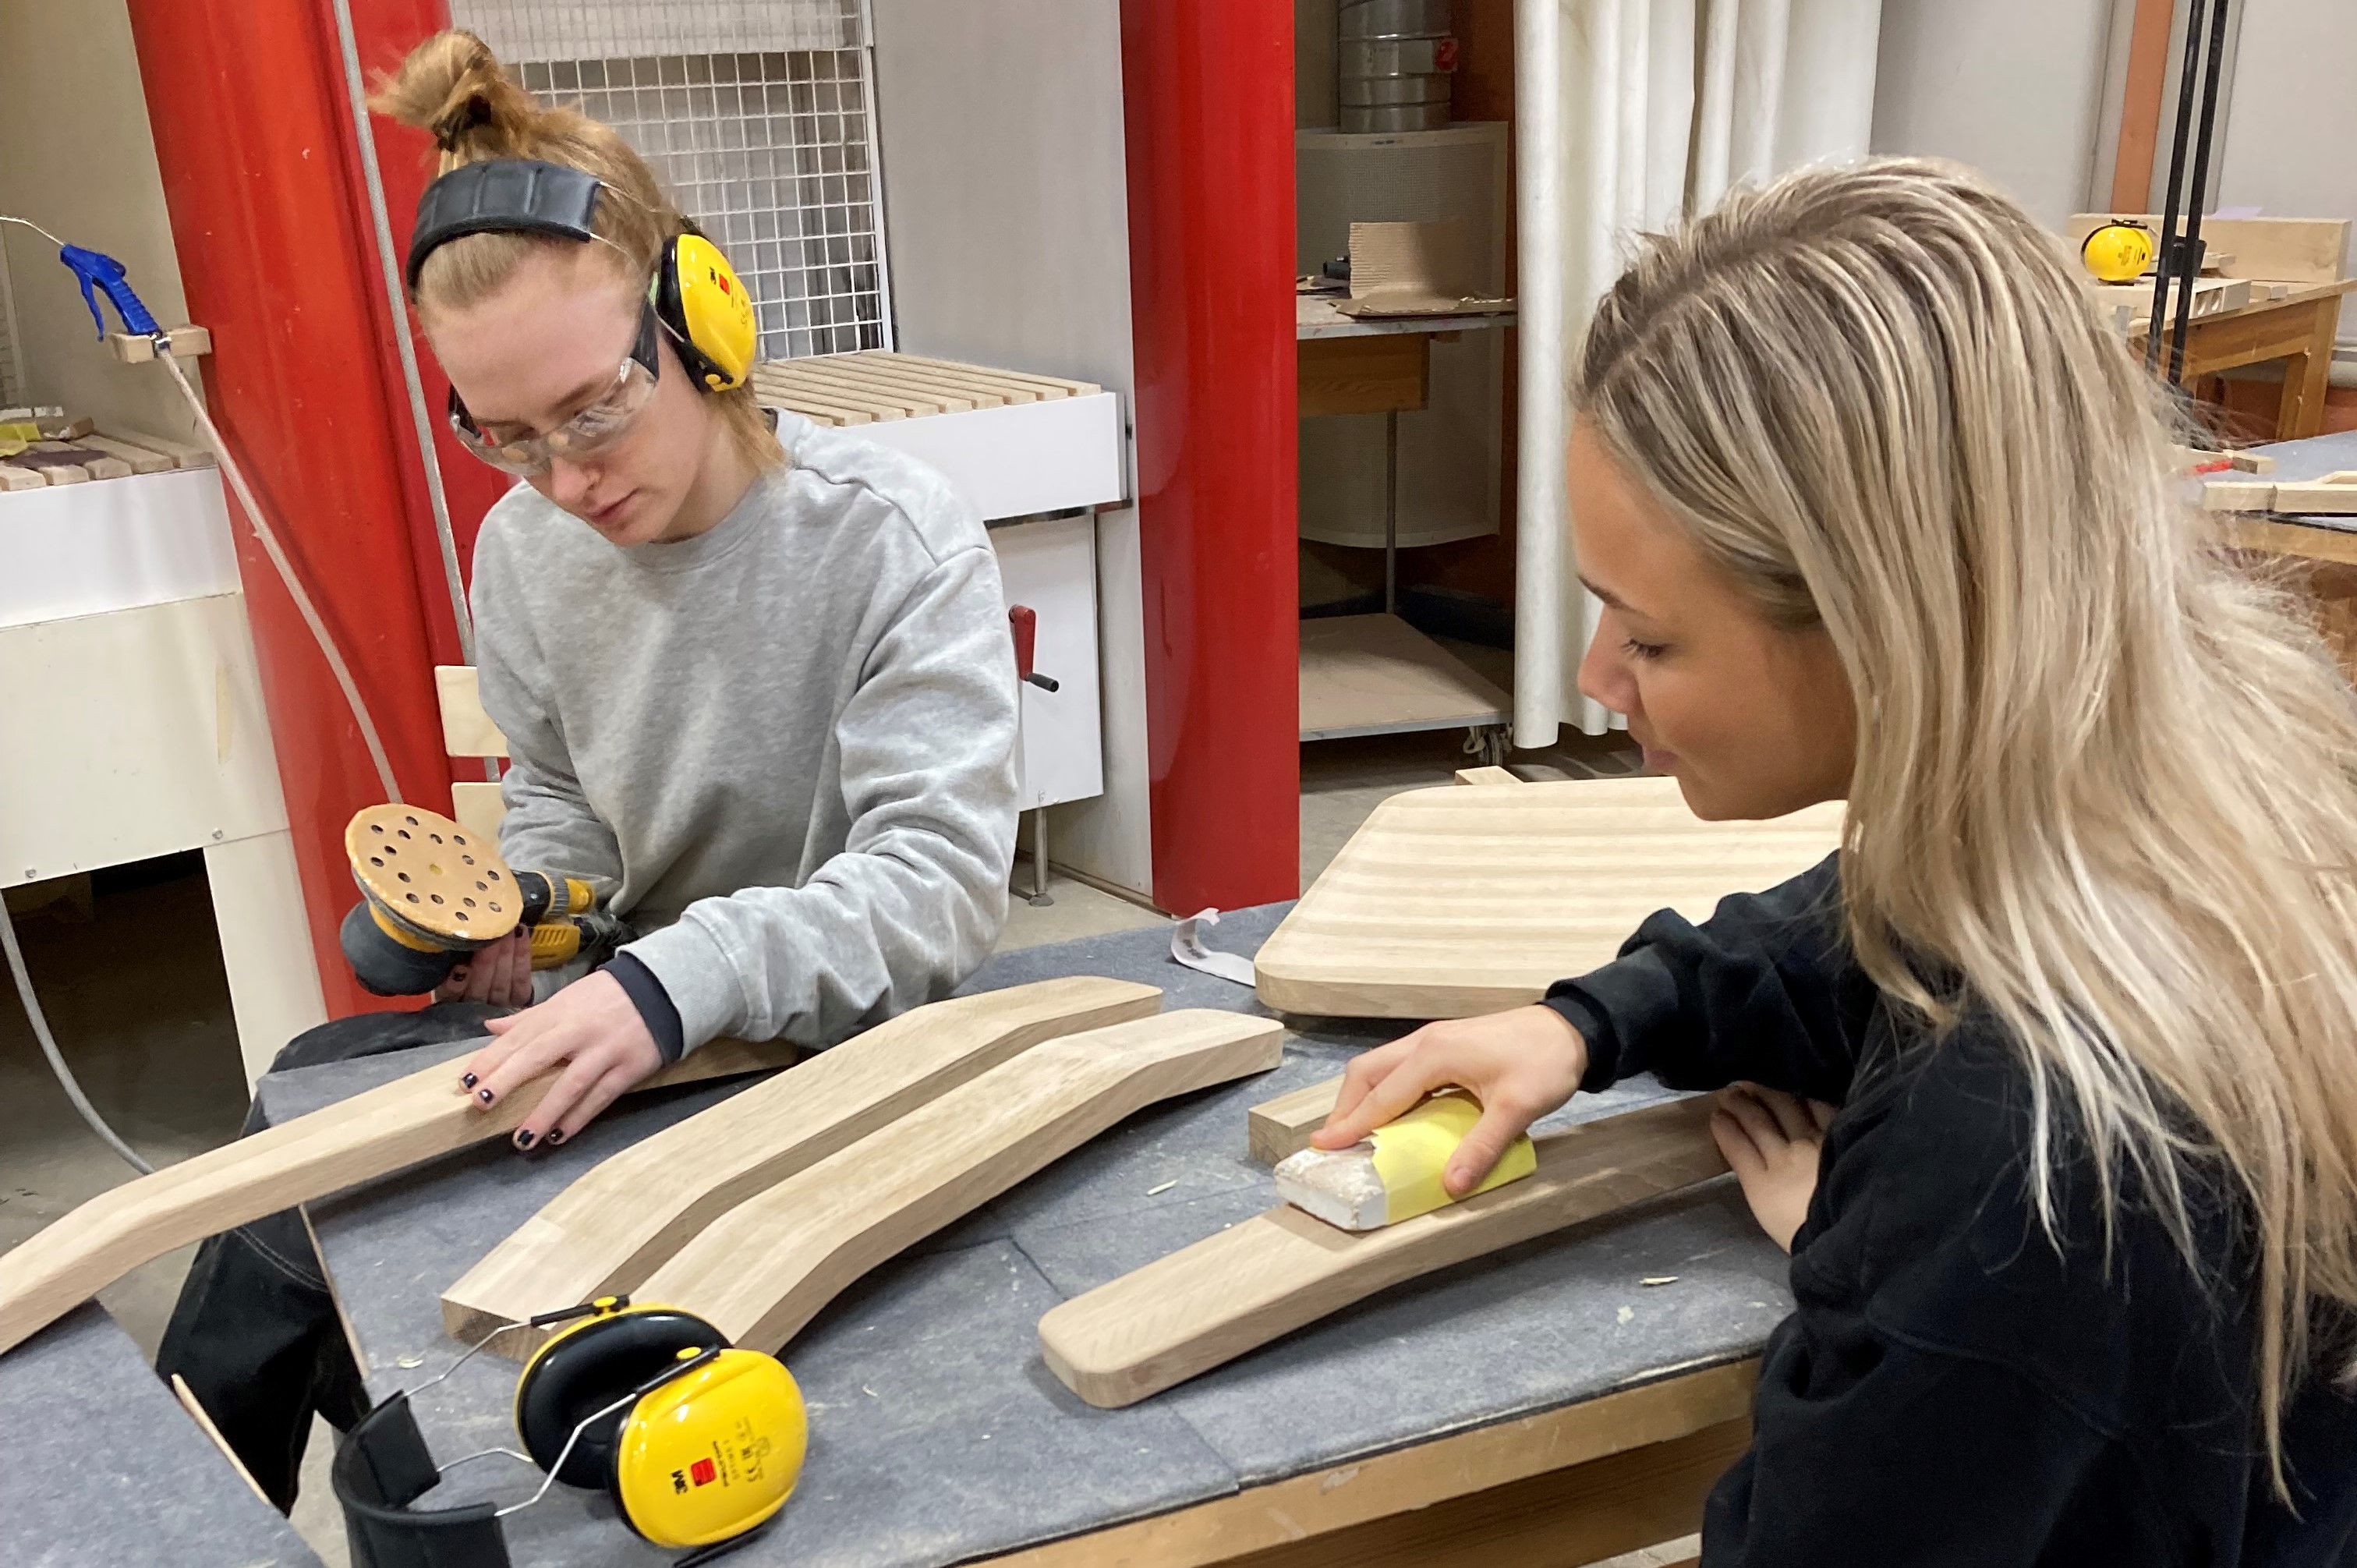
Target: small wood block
x=2238 y=495
x=2254 y=463
x=181 y=451
x=55 y=468
x=1239 y=1288
x=478 y=807
x=467 y=729
x=15 y=478
x=766 y=1268
x=631 y=1214
x=60 y=428
x=372 y=1135
x=2345 y=477
x=1276 y=1128
x=97 y=464
x=136 y=349
x=2330 y=500
x=1487 y=775
x=142 y=460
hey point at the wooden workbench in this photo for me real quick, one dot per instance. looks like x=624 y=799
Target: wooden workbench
x=2297 y=329
x=1540 y=1406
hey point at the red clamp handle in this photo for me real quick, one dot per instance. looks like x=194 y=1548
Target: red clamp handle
x=1025 y=621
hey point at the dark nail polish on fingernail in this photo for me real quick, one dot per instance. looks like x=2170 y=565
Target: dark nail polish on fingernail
x=484 y=1095
x=558 y=1137
x=469 y=1080
x=524 y=1139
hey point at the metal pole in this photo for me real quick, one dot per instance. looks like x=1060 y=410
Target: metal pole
x=1391 y=513
x=2164 y=261
x=2215 y=57
x=1040 y=858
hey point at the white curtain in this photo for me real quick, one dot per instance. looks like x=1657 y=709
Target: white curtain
x=1632 y=114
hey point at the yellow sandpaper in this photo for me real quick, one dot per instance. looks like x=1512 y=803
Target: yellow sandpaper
x=1411 y=1153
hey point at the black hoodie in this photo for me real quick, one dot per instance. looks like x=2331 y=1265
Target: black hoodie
x=1951 y=1387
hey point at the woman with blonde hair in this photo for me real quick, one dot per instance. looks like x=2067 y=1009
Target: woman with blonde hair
x=757 y=689
x=1879 y=512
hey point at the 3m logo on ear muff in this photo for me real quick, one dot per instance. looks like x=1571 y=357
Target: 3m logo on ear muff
x=708 y=312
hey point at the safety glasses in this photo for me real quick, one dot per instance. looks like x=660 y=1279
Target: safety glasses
x=595 y=428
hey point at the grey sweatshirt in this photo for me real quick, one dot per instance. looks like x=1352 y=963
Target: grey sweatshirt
x=783 y=748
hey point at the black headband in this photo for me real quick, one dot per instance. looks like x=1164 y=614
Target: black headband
x=503 y=195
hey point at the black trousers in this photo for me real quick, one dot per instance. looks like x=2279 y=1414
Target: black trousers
x=254 y=1332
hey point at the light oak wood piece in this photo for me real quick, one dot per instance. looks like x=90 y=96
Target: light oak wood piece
x=2332 y=500
x=2238 y=495
x=966 y=382
x=479 y=808
x=58 y=427
x=1049 y=386
x=94 y=463
x=631 y=1213
x=1276 y=1128
x=1446 y=1501
x=356 y=1140
x=764 y=1269
x=1487 y=775
x=187 y=1398
x=1235 y=1291
x=137 y=348
x=1450 y=902
x=15 y=478
x=467 y=728
x=140 y=458
x=182 y=455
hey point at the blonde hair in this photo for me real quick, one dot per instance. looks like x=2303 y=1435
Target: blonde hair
x=2102 y=775
x=452 y=87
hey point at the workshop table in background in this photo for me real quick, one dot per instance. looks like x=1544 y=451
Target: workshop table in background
x=2326 y=545
x=2297 y=329
x=1542 y=1405
x=1375 y=674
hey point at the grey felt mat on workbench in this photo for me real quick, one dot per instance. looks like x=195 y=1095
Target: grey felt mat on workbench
x=937 y=1433
x=2299 y=462
x=104 y=1469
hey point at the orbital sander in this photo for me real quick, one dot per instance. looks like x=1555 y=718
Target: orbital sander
x=432 y=894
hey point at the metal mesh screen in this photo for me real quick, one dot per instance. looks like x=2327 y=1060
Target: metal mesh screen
x=758 y=118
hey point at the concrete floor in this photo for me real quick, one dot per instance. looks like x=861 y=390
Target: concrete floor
x=139 y=1004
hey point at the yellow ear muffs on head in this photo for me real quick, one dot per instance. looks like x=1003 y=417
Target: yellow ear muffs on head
x=699 y=299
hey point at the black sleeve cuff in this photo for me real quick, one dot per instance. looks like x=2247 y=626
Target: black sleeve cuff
x=1614 y=1009
x=1595 y=1030
x=653 y=1003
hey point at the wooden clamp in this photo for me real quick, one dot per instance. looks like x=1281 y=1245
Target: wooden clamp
x=1242 y=1287
x=355 y=1140
x=764 y=1269
x=630 y=1214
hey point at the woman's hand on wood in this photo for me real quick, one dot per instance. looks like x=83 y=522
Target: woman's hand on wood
x=1520 y=1065
x=592 y=1028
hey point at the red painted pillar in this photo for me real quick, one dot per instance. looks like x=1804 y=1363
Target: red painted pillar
x=1208 y=98
x=279 y=259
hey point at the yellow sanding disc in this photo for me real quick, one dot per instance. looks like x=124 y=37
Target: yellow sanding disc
x=432 y=873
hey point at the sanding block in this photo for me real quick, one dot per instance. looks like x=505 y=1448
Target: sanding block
x=1393 y=1173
